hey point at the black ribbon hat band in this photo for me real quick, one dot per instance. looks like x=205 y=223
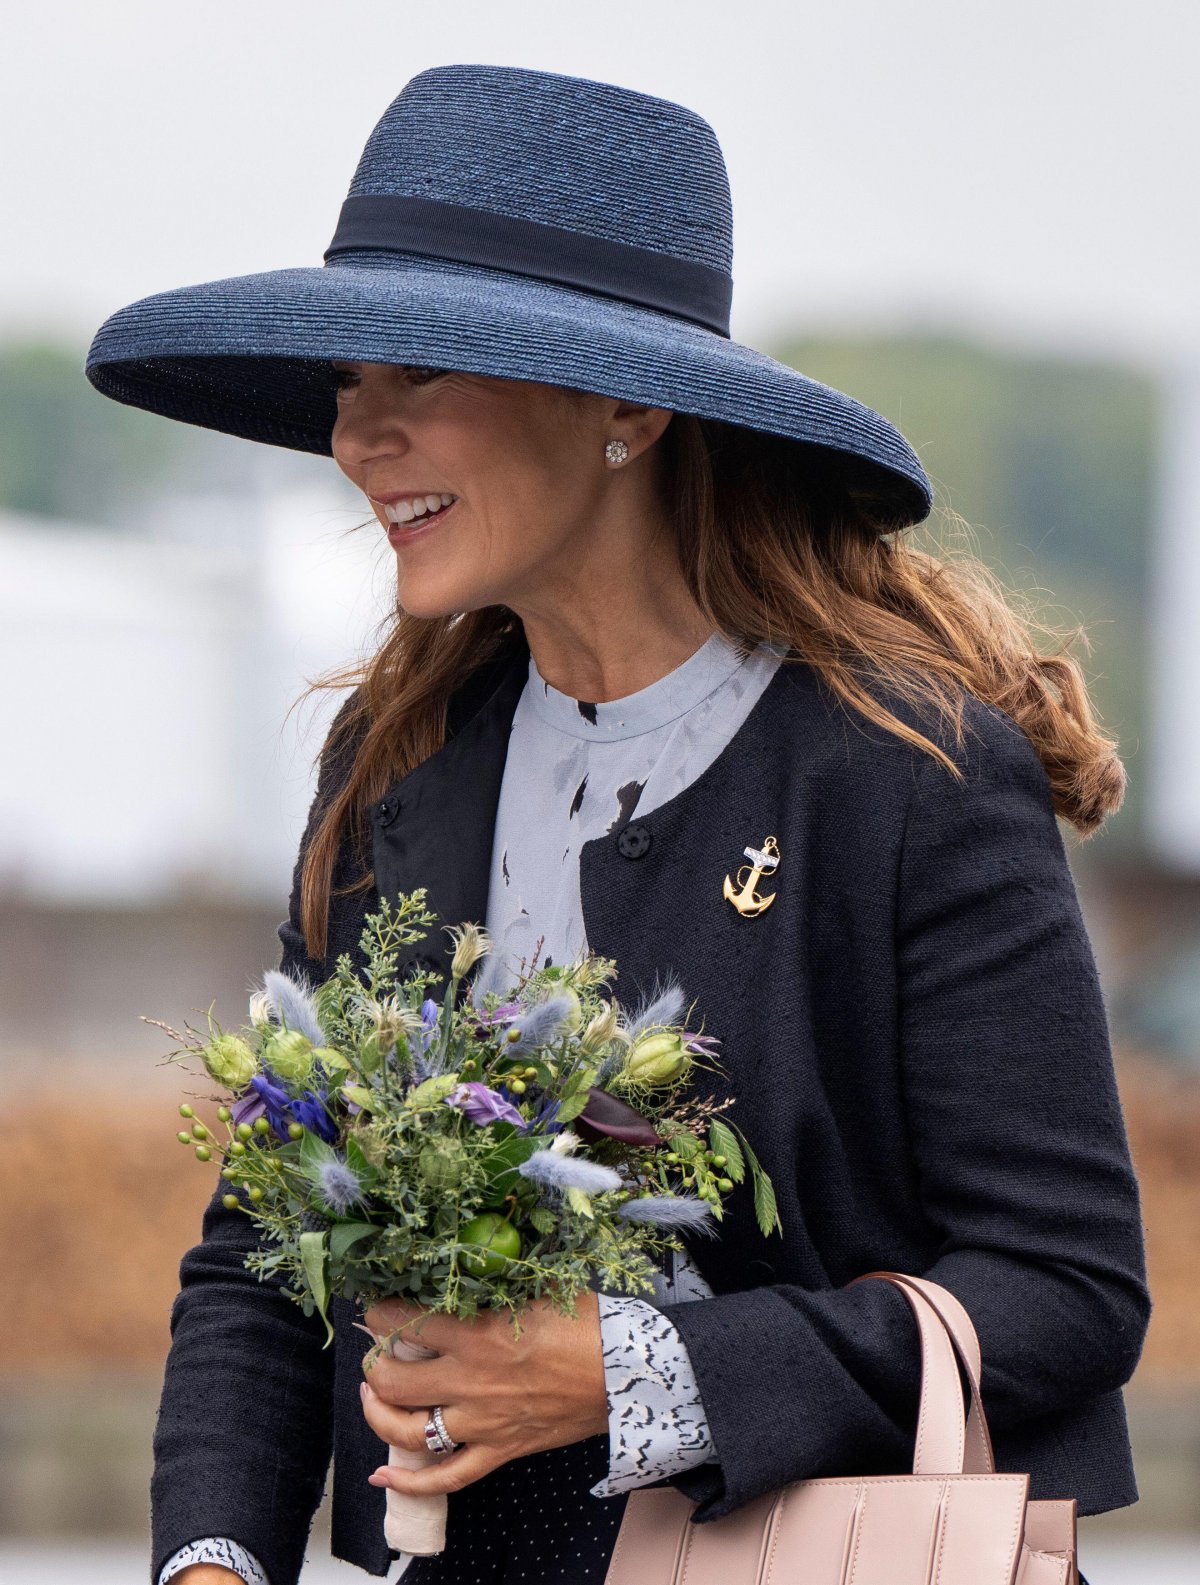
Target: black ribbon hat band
x=528 y=247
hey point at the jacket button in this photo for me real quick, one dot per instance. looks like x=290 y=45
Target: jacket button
x=386 y=810
x=633 y=841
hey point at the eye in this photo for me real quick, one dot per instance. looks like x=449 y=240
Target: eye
x=344 y=378
x=421 y=375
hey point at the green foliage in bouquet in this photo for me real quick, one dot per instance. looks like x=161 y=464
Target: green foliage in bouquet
x=476 y=1151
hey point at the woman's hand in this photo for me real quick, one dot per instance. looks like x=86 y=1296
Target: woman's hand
x=502 y=1397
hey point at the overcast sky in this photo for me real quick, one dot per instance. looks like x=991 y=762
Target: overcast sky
x=1026 y=171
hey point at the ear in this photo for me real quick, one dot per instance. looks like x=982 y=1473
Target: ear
x=639 y=426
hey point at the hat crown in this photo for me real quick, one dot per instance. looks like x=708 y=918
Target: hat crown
x=565 y=151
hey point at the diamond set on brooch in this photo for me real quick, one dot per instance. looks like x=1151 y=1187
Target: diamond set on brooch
x=616 y=451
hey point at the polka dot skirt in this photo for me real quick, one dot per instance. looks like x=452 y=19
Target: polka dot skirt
x=533 y=1521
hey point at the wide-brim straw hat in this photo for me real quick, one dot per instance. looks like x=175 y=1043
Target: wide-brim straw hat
x=507 y=222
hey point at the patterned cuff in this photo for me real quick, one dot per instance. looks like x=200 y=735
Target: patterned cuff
x=216 y=1549
x=656 y=1421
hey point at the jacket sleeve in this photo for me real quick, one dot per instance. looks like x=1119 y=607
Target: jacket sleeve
x=1019 y=1150
x=243 y=1438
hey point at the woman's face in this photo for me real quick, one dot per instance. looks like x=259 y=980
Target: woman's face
x=525 y=463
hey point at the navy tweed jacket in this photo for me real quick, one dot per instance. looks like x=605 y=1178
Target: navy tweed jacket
x=917 y=1041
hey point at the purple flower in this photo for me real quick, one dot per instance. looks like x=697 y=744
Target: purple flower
x=281 y=1109
x=430 y=1013
x=482 y=1105
x=248 y=1108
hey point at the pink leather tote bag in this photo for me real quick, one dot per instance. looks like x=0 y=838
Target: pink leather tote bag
x=953 y=1521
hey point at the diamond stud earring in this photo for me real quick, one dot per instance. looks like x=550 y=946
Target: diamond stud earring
x=617 y=452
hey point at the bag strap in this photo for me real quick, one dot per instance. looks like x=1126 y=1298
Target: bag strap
x=945 y=1443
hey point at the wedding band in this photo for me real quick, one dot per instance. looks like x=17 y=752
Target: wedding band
x=437 y=1438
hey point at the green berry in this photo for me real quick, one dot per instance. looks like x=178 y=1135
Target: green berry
x=256 y=1194
x=237 y=1148
x=261 y=1125
x=203 y=1153
x=725 y=1183
x=672 y=1155
x=719 y=1161
x=244 y=1131
x=183 y=1138
x=517 y=1086
x=224 y=1113
x=295 y=1130
x=199 y=1131
x=229 y=1172
x=230 y=1202
x=185 y=1110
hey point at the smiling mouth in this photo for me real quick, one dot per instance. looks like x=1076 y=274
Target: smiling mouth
x=399 y=532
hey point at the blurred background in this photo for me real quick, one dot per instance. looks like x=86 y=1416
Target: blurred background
x=980 y=220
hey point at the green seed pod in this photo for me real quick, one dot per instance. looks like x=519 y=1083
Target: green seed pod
x=224 y=1113
x=261 y=1125
x=725 y=1184
x=295 y=1130
x=203 y=1153
x=658 y=1058
x=441 y=1163
x=230 y=1061
x=517 y=1086
x=185 y=1110
x=183 y=1138
x=199 y=1131
x=237 y=1148
x=244 y=1131
x=290 y=1055
x=230 y=1202
x=719 y=1161
x=256 y=1194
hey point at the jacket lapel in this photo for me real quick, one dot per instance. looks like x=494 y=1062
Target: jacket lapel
x=434 y=827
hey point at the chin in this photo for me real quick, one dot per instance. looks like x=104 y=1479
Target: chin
x=426 y=598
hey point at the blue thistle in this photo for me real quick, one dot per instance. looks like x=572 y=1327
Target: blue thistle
x=340 y=1186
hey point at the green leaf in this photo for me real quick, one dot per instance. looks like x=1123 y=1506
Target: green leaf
x=433 y=1090
x=345 y=1235
x=581 y=1203
x=764 y=1203
x=360 y=1095
x=356 y=1160
x=571 y=1107
x=543 y=1219
x=765 y=1208
x=313 y=1251
x=723 y=1142
x=314 y=1154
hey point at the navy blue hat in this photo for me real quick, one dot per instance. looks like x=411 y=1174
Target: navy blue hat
x=505 y=222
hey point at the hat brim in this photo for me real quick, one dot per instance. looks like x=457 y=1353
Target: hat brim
x=248 y=355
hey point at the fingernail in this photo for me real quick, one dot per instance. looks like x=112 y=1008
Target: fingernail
x=376 y=1479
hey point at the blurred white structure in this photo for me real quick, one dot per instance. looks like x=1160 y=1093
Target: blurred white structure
x=147 y=680
x=1173 y=790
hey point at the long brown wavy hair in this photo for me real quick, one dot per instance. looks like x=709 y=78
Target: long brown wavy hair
x=781 y=543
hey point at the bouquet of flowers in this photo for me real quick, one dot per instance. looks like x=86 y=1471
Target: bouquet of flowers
x=477 y=1150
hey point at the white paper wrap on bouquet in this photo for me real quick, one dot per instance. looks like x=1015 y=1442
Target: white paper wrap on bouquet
x=412 y=1524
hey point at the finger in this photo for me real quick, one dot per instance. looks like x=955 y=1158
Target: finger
x=407 y=1384
x=414 y=1324
x=401 y=1427
x=451 y=1473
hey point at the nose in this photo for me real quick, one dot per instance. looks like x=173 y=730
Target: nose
x=368 y=428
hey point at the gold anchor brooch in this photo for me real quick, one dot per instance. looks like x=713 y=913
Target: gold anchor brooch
x=742 y=894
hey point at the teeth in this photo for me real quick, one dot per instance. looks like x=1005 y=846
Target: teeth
x=418 y=506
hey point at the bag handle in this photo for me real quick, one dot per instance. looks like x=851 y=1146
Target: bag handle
x=945 y=1443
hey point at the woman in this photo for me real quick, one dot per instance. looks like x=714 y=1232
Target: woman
x=656 y=619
